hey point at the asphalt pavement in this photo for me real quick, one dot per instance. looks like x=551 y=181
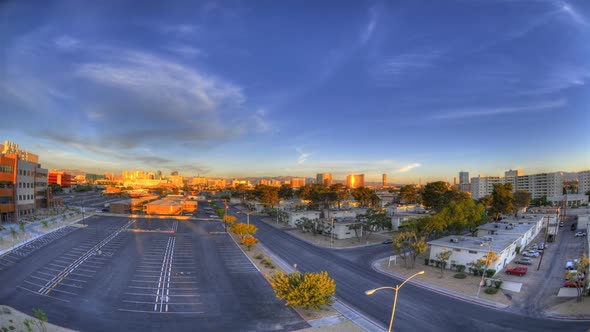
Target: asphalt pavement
x=418 y=309
x=145 y=275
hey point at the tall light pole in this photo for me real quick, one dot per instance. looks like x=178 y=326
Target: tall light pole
x=481 y=283
x=396 y=289
x=247 y=213
x=225 y=215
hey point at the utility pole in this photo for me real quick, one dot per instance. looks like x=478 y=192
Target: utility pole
x=225 y=215
x=546 y=234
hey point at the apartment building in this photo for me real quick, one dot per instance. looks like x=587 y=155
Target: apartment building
x=7 y=181
x=539 y=185
x=297 y=182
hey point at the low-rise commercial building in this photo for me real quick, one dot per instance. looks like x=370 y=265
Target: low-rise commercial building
x=526 y=231
x=130 y=205
x=466 y=250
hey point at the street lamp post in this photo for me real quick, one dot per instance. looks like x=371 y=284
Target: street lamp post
x=225 y=215
x=247 y=213
x=486 y=266
x=83 y=221
x=396 y=289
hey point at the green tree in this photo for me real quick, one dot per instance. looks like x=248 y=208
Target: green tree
x=522 y=199
x=402 y=246
x=341 y=193
x=408 y=194
x=55 y=188
x=417 y=247
x=443 y=256
x=286 y=191
x=268 y=195
x=503 y=199
x=21 y=226
x=13 y=232
x=41 y=319
x=486 y=201
x=309 y=290
x=433 y=195
x=578 y=278
x=363 y=195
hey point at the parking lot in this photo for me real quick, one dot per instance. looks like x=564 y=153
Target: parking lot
x=111 y=275
x=542 y=283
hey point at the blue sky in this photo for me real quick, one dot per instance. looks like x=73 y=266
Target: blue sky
x=415 y=89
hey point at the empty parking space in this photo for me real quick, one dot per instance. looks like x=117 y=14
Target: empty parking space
x=66 y=275
x=234 y=260
x=16 y=255
x=165 y=280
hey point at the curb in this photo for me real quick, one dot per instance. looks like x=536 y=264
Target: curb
x=345 y=310
x=376 y=265
x=41 y=235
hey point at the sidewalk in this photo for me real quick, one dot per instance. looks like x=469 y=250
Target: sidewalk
x=35 y=229
x=378 y=266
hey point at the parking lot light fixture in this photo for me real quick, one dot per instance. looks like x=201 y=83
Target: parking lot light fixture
x=395 y=289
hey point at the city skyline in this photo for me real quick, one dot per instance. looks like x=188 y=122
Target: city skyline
x=227 y=90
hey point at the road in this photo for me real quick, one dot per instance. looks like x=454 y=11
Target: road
x=418 y=309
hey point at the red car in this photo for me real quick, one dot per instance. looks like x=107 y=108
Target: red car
x=573 y=284
x=518 y=270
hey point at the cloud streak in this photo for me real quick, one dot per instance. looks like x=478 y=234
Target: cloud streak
x=487 y=112
x=407 y=168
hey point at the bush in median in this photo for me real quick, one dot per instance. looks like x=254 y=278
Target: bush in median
x=491 y=290
x=460 y=276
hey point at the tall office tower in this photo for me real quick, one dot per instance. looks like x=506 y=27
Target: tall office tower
x=384 y=184
x=324 y=178
x=463 y=177
x=355 y=180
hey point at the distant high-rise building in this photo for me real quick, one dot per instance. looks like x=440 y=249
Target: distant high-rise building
x=174 y=173
x=355 y=180
x=384 y=184
x=297 y=182
x=324 y=178
x=463 y=177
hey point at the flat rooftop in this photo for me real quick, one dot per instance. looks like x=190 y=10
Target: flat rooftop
x=499 y=242
x=507 y=228
x=166 y=202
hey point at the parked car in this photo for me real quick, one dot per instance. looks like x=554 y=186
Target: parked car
x=524 y=261
x=534 y=247
x=573 y=284
x=561 y=224
x=212 y=216
x=580 y=234
x=531 y=253
x=388 y=241
x=518 y=270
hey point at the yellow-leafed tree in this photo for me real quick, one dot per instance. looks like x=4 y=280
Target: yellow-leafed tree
x=309 y=290
x=242 y=229
x=249 y=241
x=229 y=219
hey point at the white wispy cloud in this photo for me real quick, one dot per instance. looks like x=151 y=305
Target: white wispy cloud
x=66 y=42
x=185 y=50
x=408 y=168
x=180 y=29
x=491 y=111
x=302 y=156
x=369 y=28
x=572 y=13
x=397 y=64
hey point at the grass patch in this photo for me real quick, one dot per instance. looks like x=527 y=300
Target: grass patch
x=491 y=290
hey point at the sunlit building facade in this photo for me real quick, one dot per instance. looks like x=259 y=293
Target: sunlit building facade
x=324 y=178
x=355 y=180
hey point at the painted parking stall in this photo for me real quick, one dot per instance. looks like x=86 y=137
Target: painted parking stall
x=165 y=281
x=234 y=260
x=16 y=255
x=65 y=276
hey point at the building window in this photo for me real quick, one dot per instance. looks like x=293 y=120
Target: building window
x=472 y=252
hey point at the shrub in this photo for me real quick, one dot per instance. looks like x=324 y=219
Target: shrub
x=453 y=266
x=259 y=256
x=426 y=260
x=490 y=273
x=432 y=262
x=460 y=276
x=497 y=283
x=309 y=290
x=491 y=290
x=461 y=268
x=518 y=250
